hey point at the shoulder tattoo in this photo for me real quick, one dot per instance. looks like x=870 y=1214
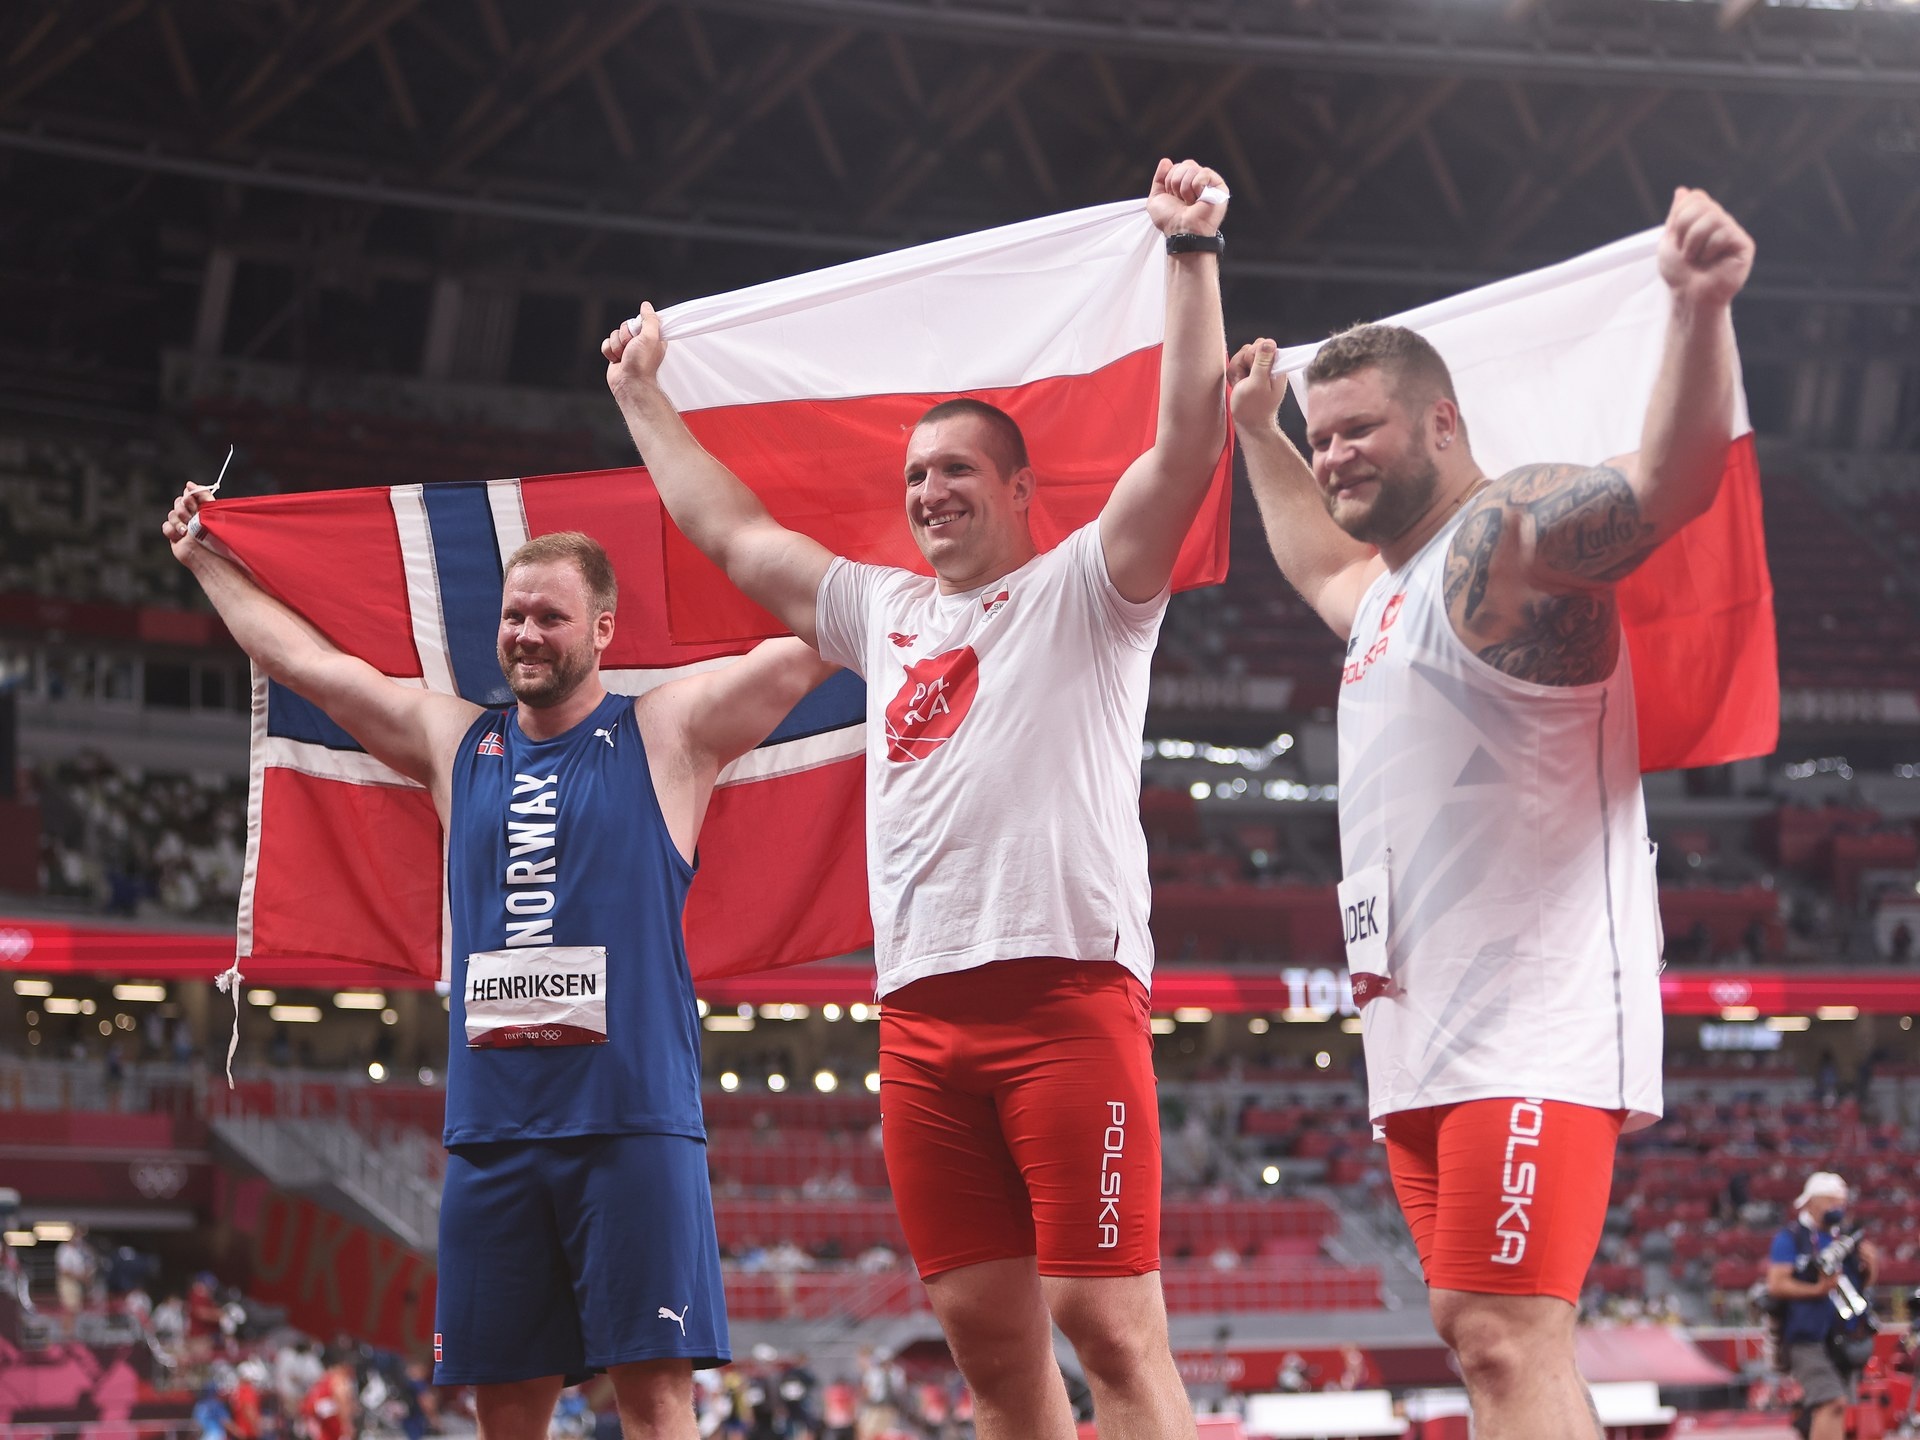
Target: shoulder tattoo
x=1557 y=625
x=1586 y=520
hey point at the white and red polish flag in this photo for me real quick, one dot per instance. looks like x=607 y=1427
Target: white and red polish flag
x=1559 y=365
x=807 y=388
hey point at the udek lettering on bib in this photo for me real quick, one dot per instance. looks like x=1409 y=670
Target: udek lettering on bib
x=1363 y=923
x=537 y=995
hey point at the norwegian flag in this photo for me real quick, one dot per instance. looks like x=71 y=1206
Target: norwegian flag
x=490 y=744
x=345 y=857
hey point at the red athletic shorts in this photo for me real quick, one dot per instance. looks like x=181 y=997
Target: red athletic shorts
x=1019 y=1116
x=1504 y=1197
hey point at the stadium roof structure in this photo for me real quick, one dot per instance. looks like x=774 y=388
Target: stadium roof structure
x=345 y=156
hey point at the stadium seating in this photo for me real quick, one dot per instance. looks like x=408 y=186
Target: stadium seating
x=806 y=1171
x=1710 y=1187
x=1837 y=628
x=1190 y=1288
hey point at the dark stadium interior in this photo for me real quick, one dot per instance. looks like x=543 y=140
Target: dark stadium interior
x=377 y=242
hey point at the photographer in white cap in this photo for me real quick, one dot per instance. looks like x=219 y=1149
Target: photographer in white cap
x=1818 y=1273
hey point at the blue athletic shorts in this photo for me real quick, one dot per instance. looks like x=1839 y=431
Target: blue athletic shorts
x=561 y=1257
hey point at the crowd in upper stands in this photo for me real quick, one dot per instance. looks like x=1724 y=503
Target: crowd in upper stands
x=129 y=843
x=80 y=521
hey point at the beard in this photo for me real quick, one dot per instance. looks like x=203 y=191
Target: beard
x=1404 y=495
x=565 y=673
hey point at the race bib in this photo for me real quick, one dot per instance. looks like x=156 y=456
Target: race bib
x=1363 y=922
x=537 y=995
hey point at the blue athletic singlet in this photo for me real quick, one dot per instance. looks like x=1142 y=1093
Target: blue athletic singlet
x=566 y=895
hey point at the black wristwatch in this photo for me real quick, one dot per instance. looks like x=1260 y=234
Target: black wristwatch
x=1187 y=243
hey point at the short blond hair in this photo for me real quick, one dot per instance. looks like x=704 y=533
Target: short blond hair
x=584 y=553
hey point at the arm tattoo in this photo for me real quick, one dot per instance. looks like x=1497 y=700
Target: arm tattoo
x=1586 y=520
x=1554 y=621
x=1470 y=559
x=1560 y=640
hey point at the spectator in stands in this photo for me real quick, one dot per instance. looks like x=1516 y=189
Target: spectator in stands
x=74 y=1267
x=122 y=838
x=1812 y=1328
x=211 y=1414
x=243 y=1400
x=153 y=1035
x=127 y=1271
x=13 y=1275
x=1900 y=944
x=875 y=1259
x=838 y=1403
x=170 y=1325
x=1826 y=1082
x=204 y=1314
x=417 y=1418
x=296 y=1369
x=1294 y=1377
x=331 y=1407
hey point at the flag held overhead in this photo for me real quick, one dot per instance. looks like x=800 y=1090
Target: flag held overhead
x=807 y=388
x=1559 y=365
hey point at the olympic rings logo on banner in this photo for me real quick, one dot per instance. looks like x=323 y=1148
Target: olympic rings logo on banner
x=158 y=1179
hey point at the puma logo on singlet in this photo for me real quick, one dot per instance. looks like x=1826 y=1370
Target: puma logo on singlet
x=606 y=735
x=680 y=1319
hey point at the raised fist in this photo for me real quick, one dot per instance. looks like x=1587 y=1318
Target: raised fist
x=1705 y=257
x=174 y=527
x=1174 y=200
x=634 y=357
x=1254 y=392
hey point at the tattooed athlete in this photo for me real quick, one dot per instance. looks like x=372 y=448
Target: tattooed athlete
x=1499 y=893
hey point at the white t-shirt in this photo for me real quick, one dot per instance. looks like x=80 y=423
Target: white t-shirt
x=74 y=1261
x=1003 y=761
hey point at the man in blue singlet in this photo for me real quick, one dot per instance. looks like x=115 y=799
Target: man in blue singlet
x=576 y=1227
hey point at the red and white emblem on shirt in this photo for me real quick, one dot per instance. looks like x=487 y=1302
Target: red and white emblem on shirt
x=901 y=640
x=932 y=701
x=994 y=604
x=436 y=1346
x=1355 y=671
x=490 y=744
